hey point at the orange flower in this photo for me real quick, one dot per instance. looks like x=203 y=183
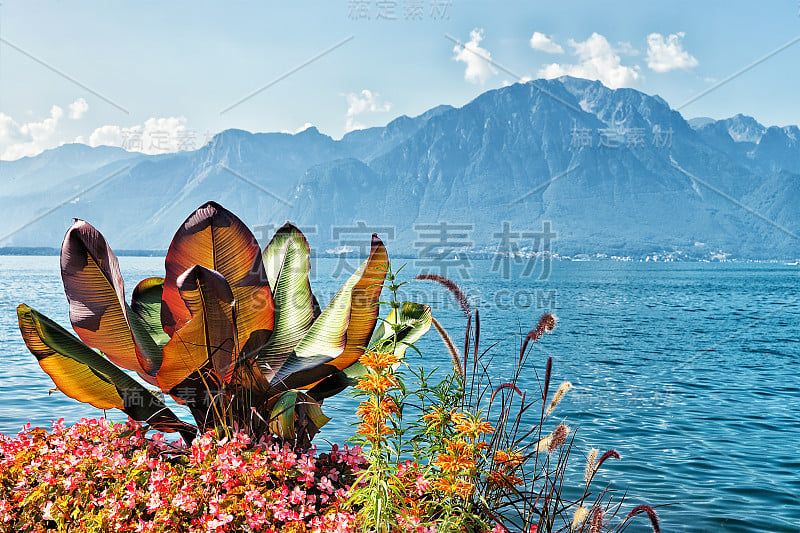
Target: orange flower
x=503 y=480
x=374 y=432
x=373 y=411
x=463 y=489
x=480 y=446
x=376 y=384
x=378 y=361
x=453 y=464
x=457 y=459
x=508 y=460
x=439 y=418
x=295 y=526
x=456 y=417
x=458 y=447
x=473 y=427
x=445 y=485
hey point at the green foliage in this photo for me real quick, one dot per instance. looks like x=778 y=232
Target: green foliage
x=231 y=332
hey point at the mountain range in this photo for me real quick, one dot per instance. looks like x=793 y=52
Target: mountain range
x=613 y=172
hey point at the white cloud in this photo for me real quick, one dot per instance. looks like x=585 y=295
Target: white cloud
x=156 y=136
x=597 y=60
x=523 y=79
x=477 y=59
x=32 y=138
x=540 y=41
x=364 y=102
x=665 y=54
x=104 y=135
x=78 y=108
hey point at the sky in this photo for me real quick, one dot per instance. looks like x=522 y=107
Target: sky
x=163 y=76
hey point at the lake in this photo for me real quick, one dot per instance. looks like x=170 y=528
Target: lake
x=691 y=371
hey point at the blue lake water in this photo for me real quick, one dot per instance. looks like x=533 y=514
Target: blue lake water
x=691 y=371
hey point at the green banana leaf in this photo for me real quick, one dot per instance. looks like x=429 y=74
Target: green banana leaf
x=146 y=308
x=415 y=321
x=286 y=260
x=291 y=406
x=338 y=336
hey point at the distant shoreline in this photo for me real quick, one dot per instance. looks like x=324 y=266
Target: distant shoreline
x=46 y=250
x=475 y=256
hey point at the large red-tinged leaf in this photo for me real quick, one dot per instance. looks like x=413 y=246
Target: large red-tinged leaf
x=214 y=238
x=96 y=295
x=206 y=344
x=83 y=374
x=286 y=260
x=337 y=338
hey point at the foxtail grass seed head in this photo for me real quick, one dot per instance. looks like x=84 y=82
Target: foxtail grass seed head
x=559 y=437
x=503 y=387
x=578 y=518
x=451 y=347
x=562 y=390
x=477 y=335
x=651 y=514
x=554 y=440
x=546 y=324
x=609 y=453
x=591 y=460
x=548 y=372
x=466 y=341
x=544 y=444
x=454 y=289
x=597 y=521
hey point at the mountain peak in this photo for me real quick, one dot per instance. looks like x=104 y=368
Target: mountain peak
x=743 y=128
x=311 y=130
x=231 y=134
x=740 y=128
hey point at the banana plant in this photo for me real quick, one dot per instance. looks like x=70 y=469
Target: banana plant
x=233 y=333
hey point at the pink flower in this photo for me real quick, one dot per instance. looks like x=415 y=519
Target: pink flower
x=208 y=476
x=421 y=484
x=325 y=485
x=297 y=496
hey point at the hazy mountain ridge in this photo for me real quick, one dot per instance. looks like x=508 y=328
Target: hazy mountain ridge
x=616 y=172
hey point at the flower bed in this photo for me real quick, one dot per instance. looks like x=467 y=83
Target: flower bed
x=100 y=476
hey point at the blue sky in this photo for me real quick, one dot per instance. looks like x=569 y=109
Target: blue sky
x=173 y=67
